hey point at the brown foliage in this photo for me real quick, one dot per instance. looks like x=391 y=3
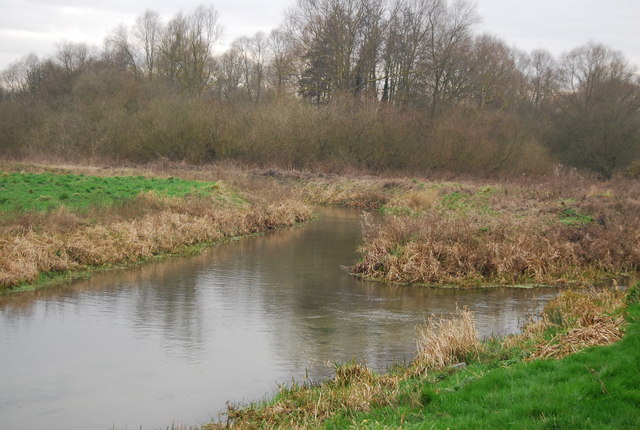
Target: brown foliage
x=513 y=234
x=169 y=226
x=354 y=387
x=443 y=341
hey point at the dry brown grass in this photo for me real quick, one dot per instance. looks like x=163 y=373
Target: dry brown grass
x=149 y=226
x=416 y=200
x=355 y=388
x=578 y=308
x=602 y=331
x=583 y=318
x=358 y=193
x=509 y=235
x=443 y=341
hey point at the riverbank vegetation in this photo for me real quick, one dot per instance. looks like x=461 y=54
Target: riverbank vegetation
x=559 y=232
x=457 y=381
x=561 y=229
x=55 y=226
x=488 y=166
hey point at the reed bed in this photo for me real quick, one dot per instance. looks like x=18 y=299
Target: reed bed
x=151 y=225
x=504 y=236
x=444 y=341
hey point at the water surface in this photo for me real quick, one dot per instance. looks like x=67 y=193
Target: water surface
x=171 y=342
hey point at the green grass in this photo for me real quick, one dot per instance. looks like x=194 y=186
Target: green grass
x=46 y=191
x=571 y=217
x=463 y=202
x=598 y=388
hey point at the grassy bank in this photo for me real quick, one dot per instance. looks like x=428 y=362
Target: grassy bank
x=560 y=229
x=24 y=191
x=55 y=226
x=557 y=374
x=558 y=232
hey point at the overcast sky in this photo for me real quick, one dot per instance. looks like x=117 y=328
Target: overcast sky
x=36 y=26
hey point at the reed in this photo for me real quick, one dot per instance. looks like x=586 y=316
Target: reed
x=354 y=388
x=444 y=341
x=150 y=225
x=505 y=235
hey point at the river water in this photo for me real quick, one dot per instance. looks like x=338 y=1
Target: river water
x=172 y=342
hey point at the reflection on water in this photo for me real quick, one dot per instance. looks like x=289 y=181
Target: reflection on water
x=173 y=341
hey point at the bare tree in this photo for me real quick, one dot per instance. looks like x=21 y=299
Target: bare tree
x=229 y=75
x=449 y=41
x=147 y=32
x=597 y=122
x=186 y=46
x=426 y=55
x=281 y=67
x=251 y=52
x=406 y=48
x=72 y=56
x=123 y=49
x=543 y=77
x=496 y=79
x=338 y=43
x=14 y=79
x=203 y=32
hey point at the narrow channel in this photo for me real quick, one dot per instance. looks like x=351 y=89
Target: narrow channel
x=172 y=342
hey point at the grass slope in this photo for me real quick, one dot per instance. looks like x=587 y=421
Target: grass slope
x=55 y=227
x=46 y=191
x=598 y=388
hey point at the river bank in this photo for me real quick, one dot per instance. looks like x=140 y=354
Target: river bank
x=60 y=226
x=311 y=312
x=173 y=341
x=559 y=372
x=562 y=229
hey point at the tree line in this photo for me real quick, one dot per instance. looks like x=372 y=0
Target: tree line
x=373 y=84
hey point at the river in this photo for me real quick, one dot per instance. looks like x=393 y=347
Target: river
x=172 y=342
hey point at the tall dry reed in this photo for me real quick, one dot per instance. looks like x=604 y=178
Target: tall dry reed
x=512 y=234
x=354 y=388
x=444 y=341
x=170 y=226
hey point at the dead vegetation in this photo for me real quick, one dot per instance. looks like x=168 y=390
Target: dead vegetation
x=603 y=331
x=444 y=341
x=354 y=387
x=359 y=193
x=468 y=235
x=581 y=319
x=150 y=225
